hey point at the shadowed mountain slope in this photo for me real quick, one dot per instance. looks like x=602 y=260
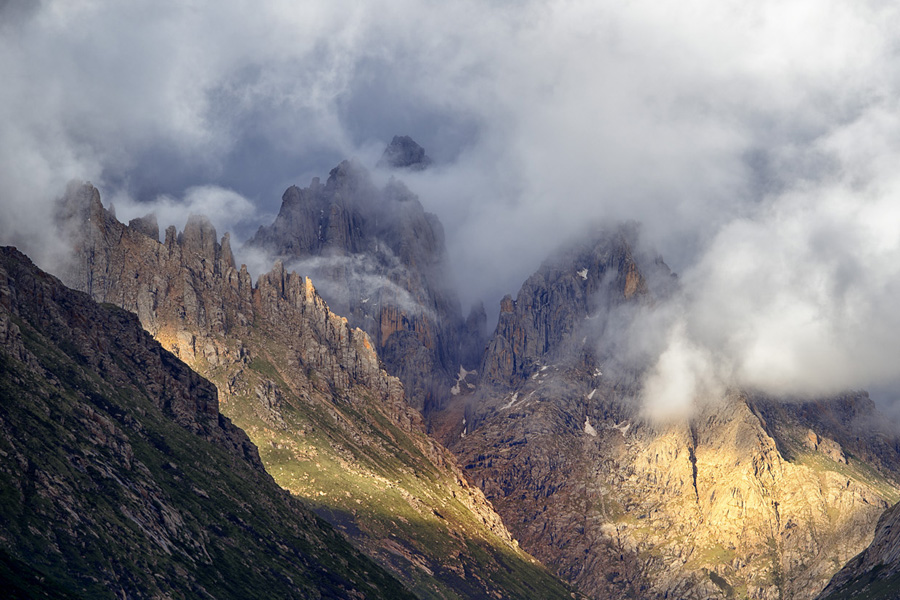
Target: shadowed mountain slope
x=874 y=574
x=120 y=478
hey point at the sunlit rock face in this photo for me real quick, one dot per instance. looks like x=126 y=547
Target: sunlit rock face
x=332 y=426
x=747 y=497
x=378 y=258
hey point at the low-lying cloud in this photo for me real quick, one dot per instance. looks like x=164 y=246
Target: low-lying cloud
x=757 y=143
x=360 y=282
x=799 y=299
x=226 y=209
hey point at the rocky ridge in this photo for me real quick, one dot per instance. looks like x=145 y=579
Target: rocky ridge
x=555 y=312
x=331 y=425
x=752 y=498
x=121 y=478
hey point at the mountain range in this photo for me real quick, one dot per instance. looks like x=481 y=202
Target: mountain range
x=447 y=461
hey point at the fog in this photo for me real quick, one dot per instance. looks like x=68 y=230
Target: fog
x=756 y=143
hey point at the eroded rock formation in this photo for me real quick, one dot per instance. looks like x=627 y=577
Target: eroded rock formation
x=378 y=258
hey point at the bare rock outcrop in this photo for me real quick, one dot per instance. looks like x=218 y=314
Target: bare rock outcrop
x=404 y=153
x=378 y=258
x=555 y=308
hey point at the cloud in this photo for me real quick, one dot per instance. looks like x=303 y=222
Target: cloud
x=361 y=282
x=802 y=294
x=683 y=376
x=226 y=209
x=757 y=143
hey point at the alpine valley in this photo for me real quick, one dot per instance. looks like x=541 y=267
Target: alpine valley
x=348 y=432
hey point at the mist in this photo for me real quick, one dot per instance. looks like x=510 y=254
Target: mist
x=360 y=281
x=755 y=143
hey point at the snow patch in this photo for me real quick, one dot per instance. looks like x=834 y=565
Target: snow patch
x=588 y=428
x=511 y=402
x=460 y=377
x=583 y=273
x=623 y=427
x=591 y=395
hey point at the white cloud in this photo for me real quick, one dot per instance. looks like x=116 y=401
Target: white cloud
x=224 y=208
x=683 y=375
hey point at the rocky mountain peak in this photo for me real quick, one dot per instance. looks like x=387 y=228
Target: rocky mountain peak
x=199 y=237
x=404 y=153
x=561 y=304
x=148 y=225
x=80 y=203
x=378 y=258
x=348 y=177
x=80 y=196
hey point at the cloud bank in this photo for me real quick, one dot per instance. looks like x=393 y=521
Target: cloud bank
x=757 y=144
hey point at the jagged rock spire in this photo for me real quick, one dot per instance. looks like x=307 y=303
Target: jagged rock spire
x=404 y=153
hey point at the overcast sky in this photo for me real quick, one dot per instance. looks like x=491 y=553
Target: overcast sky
x=757 y=142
